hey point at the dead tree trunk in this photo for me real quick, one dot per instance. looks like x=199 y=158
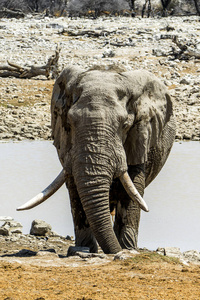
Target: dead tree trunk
x=197 y=7
x=51 y=68
x=186 y=52
x=8 y=13
x=148 y=8
x=165 y=4
x=132 y=6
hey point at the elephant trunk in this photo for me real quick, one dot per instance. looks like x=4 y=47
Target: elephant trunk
x=94 y=165
x=94 y=198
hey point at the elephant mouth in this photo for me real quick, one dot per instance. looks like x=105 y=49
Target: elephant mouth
x=60 y=180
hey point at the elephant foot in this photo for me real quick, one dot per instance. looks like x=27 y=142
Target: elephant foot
x=72 y=251
x=128 y=238
x=85 y=238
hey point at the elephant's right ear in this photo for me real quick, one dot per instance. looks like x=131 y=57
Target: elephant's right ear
x=62 y=98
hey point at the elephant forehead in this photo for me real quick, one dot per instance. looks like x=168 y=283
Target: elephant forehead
x=102 y=84
x=101 y=77
x=84 y=110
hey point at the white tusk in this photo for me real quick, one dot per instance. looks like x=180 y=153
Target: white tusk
x=132 y=191
x=45 y=194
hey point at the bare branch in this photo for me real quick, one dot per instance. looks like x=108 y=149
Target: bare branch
x=13 y=69
x=186 y=50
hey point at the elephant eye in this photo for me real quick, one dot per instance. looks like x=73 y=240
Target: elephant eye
x=126 y=126
x=128 y=122
x=122 y=117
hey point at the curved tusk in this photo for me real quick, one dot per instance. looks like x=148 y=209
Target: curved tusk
x=132 y=191
x=45 y=194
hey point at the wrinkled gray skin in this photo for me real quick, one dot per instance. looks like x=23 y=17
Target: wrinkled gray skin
x=105 y=123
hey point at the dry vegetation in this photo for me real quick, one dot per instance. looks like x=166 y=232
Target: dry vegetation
x=147 y=276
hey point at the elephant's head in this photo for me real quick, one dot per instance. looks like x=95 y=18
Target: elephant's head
x=103 y=122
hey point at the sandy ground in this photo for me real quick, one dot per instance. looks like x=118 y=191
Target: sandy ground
x=46 y=273
x=146 y=276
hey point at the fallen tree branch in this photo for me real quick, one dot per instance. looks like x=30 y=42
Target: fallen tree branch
x=90 y=33
x=128 y=43
x=8 y=13
x=185 y=50
x=51 y=68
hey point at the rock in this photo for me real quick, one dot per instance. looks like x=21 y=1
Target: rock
x=4 y=231
x=185 y=257
x=54 y=234
x=14 y=227
x=11 y=227
x=184 y=81
x=40 y=228
x=186 y=136
x=161 y=251
x=172 y=252
x=25 y=253
x=158 y=52
x=125 y=254
x=108 y=53
x=4 y=218
x=192 y=255
x=45 y=253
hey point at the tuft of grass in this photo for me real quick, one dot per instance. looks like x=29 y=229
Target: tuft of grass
x=151 y=257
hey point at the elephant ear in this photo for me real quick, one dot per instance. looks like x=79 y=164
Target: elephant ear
x=63 y=96
x=152 y=108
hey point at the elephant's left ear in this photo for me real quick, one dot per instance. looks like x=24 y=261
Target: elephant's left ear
x=62 y=99
x=152 y=107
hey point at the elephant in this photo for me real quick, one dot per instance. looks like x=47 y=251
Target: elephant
x=113 y=132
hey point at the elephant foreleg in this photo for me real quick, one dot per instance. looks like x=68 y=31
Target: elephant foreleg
x=83 y=234
x=128 y=211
